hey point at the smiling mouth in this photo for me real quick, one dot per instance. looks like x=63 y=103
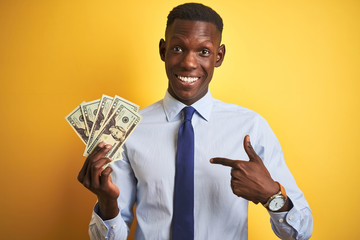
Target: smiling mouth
x=187 y=79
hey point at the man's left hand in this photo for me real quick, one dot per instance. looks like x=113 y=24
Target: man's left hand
x=250 y=179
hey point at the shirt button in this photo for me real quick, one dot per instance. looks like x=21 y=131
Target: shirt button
x=291 y=217
x=113 y=226
x=281 y=220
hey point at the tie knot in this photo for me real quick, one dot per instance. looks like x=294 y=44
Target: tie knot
x=188 y=113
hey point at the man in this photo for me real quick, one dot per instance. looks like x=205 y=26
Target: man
x=149 y=174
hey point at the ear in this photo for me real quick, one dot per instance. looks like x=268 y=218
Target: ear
x=220 y=55
x=162 y=49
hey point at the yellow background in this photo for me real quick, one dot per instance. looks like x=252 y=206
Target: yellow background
x=294 y=62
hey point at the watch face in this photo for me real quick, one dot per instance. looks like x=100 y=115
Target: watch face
x=277 y=203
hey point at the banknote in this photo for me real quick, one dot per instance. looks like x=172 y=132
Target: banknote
x=77 y=122
x=89 y=110
x=102 y=110
x=117 y=157
x=75 y=119
x=119 y=100
x=116 y=102
x=116 y=130
x=108 y=119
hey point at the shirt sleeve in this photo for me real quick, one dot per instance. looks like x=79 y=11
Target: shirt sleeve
x=296 y=223
x=117 y=228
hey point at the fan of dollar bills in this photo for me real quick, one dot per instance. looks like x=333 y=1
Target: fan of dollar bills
x=110 y=120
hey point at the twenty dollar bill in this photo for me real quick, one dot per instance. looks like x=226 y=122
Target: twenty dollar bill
x=115 y=130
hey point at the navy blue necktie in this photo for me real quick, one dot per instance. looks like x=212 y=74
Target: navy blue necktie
x=183 y=215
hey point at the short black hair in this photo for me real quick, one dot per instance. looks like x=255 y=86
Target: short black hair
x=195 y=12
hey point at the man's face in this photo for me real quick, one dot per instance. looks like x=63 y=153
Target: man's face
x=191 y=52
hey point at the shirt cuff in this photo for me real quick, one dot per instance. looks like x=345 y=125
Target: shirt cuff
x=295 y=223
x=104 y=228
x=292 y=218
x=278 y=217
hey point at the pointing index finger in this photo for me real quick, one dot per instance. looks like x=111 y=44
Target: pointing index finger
x=223 y=161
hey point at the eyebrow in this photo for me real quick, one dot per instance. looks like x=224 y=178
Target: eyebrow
x=174 y=37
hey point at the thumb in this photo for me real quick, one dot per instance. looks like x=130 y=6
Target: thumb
x=250 y=150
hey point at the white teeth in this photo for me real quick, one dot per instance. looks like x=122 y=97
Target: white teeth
x=188 y=79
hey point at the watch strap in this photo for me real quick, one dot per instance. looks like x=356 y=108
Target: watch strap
x=282 y=190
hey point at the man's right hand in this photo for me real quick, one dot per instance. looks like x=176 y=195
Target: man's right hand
x=98 y=180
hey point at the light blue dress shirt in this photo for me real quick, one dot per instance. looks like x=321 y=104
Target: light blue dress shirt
x=146 y=175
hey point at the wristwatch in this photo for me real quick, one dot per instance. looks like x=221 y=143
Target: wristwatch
x=277 y=201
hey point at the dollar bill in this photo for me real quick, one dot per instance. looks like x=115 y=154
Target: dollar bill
x=117 y=157
x=116 y=130
x=110 y=116
x=116 y=103
x=103 y=108
x=77 y=122
x=89 y=110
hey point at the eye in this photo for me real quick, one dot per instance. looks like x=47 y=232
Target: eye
x=177 y=49
x=205 y=52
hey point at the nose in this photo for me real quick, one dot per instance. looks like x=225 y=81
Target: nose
x=189 y=61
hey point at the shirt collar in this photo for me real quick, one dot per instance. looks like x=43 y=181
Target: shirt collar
x=173 y=107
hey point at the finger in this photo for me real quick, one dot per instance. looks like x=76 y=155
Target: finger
x=235 y=187
x=96 y=172
x=102 y=152
x=236 y=173
x=250 y=150
x=104 y=178
x=99 y=155
x=84 y=168
x=92 y=163
x=97 y=149
x=224 y=161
